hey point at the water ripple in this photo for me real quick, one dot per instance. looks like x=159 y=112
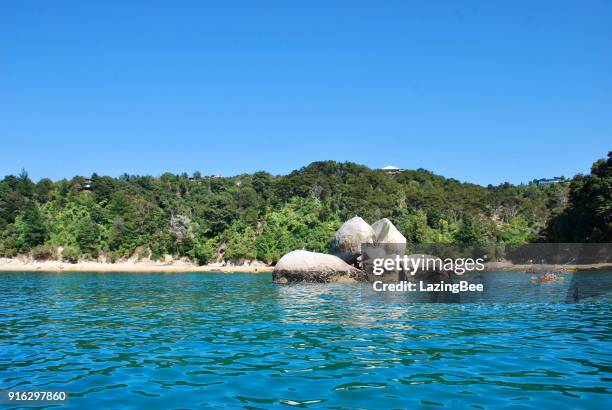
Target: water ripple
x=219 y=340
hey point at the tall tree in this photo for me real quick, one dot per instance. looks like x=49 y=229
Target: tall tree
x=588 y=217
x=30 y=228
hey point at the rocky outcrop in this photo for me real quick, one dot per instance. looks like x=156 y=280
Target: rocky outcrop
x=389 y=238
x=305 y=266
x=350 y=236
x=386 y=232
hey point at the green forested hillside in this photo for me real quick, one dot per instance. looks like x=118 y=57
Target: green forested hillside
x=588 y=218
x=260 y=216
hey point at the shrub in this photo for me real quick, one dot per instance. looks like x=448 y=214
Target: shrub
x=88 y=236
x=112 y=256
x=71 y=254
x=203 y=253
x=44 y=252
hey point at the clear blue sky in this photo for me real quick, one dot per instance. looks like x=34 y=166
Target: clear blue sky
x=485 y=92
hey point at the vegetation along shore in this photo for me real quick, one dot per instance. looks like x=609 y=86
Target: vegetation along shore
x=250 y=221
x=31 y=265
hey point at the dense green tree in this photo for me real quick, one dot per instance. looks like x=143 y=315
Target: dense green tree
x=203 y=251
x=240 y=242
x=588 y=217
x=303 y=223
x=87 y=235
x=468 y=232
x=30 y=228
x=262 y=183
x=208 y=218
x=516 y=231
x=43 y=190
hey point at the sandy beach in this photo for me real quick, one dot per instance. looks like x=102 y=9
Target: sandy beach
x=28 y=265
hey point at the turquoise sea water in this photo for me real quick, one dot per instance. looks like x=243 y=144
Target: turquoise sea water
x=155 y=340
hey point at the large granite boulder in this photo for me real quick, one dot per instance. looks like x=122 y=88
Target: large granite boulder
x=305 y=266
x=386 y=232
x=388 y=237
x=350 y=236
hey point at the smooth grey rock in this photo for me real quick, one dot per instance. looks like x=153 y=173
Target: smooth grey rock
x=386 y=232
x=305 y=266
x=350 y=236
x=389 y=238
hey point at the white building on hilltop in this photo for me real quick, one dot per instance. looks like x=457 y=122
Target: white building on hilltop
x=390 y=169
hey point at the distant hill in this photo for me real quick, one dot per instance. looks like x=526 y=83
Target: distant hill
x=261 y=216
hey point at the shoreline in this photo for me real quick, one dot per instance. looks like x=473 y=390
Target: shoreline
x=21 y=265
x=541 y=268
x=179 y=266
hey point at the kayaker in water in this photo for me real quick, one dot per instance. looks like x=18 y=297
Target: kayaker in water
x=549 y=277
